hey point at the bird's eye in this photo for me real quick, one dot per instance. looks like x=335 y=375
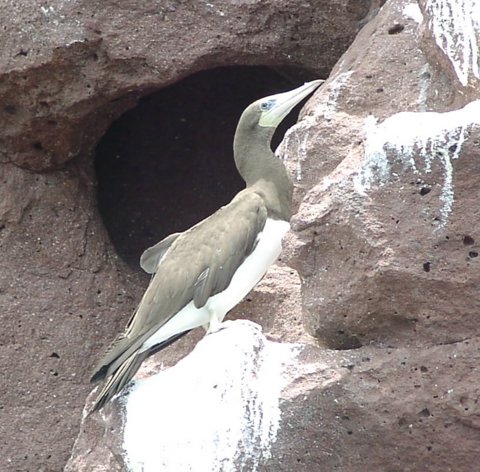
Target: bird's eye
x=264 y=106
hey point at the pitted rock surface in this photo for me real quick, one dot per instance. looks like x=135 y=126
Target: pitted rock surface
x=379 y=276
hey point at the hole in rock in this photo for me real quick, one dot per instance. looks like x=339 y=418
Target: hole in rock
x=168 y=163
x=425 y=412
x=10 y=109
x=395 y=29
x=342 y=341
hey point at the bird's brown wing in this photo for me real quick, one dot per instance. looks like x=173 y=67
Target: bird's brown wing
x=199 y=264
x=152 y=256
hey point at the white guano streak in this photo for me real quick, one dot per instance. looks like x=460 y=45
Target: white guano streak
x=301 y=130
x=424 y=78
x=455 y=25
x=429 y=135
x=413 y=11
x=217 y=410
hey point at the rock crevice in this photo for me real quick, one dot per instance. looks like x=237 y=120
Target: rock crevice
x=384 y=238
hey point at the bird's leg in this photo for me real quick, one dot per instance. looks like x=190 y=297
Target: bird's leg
x=219 y=325
x=214 y=324
x=225 y=324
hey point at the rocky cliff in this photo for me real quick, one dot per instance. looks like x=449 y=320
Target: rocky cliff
x=369 y=352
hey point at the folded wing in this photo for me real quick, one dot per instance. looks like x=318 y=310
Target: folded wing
x=195 y=265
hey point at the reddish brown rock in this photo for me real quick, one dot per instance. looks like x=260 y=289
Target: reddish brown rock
x=386 y=250
x=385 y=239
x=385 y=243
x=226 y=416
x=402 y=409
x=68 y=70
x=392 y=215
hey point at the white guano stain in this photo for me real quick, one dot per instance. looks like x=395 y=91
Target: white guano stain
x=455 y=25
x=217 y=410
x=299 y=134
x=328 y=107
x=413 y=11
x=424 y=77
x=427 y=135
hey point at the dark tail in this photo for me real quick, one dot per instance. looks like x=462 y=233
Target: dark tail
x=120 y=378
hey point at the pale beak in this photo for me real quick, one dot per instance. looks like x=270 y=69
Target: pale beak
x=284 y=102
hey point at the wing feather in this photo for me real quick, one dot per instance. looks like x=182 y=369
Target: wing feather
x=151 y=257
x=199 y=263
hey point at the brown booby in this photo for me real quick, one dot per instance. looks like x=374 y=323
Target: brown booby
x=202 y=273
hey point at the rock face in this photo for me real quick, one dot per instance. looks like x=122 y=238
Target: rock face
x=170 y=417
x=392 y=213
x=68 y=70
x=384 y=239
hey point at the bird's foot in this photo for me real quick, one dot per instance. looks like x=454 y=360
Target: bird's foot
x=218 y=326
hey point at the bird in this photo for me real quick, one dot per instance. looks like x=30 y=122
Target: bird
x=199 y=275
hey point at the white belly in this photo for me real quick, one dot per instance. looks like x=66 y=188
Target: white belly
x=252 y=269
x=245 y=278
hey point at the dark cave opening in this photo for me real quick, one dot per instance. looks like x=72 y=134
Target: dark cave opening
x=168 y=163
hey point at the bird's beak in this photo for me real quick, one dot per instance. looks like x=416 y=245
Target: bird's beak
x=284 y=102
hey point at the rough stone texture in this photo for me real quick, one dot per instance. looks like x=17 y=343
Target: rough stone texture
x=385 y=242
x=385 y=239
x=396 y=410
x=251 y=372
x=68 y=70
x=394 y=236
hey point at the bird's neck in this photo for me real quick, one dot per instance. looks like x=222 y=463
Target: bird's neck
x=262 y=171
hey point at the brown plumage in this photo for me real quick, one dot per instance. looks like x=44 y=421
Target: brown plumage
x=202 y=273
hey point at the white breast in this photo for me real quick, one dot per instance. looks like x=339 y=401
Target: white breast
x=249 y=273
x=253 y=268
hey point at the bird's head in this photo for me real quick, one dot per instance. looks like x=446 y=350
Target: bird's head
x=269 y=112
x=252 y=143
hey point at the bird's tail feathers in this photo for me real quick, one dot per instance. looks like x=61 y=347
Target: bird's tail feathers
x=123 y=371
x=116 y=354
x=119 y=379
